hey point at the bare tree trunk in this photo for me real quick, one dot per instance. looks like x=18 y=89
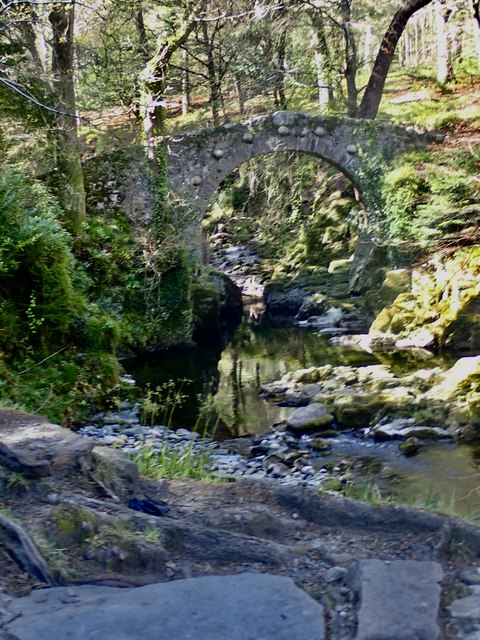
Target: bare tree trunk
x=474 y=6
x=154 y=76
x=239 y=91
x=213 y=83
x=417 y=42
x=367 y=43
x=30 y=40
x=280 y=97
x=444 y=59
x=72 y=189
x=185 y=85
x=141 y=32
x=351 y=61
x=322 y=86
x=323 y=62
x=373 y=93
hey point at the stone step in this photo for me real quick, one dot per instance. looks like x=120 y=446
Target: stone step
x=399 y=600
x=239 y=607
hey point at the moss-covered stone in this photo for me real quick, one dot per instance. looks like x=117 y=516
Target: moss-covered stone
x=444 y=297
x=73 y=525
x=357 y=408
x=116 y=473
x=320 y=445
x=410 y=447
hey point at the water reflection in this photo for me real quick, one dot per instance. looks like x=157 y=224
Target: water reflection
x=223 y=384
x=222 y=397
x=222 y=391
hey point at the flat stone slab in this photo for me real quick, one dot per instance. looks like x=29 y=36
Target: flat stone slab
x=246 y=606
x=399 y=600
x=33 y=446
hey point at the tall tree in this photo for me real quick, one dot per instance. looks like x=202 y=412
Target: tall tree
x=474 y=7
x=351 y=59
x=280 y=61
x=443 y=13
x=71 y=187
x=373 y=93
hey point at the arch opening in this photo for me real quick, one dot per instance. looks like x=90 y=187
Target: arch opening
x=292 y=209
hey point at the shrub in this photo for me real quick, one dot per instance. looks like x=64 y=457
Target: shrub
x=37 y=268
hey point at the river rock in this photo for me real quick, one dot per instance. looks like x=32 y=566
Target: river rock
x=374 y=372
x=279 y=470
x=310 y=418
x=303 y=395
x=321 y=445
x=315 y=305
x=276 y=389
x=410 y=447
x=397 y=430
x=463 y=372
x=116 y=473
x=210 y=608
x=312 y=374
x=467 y=608
x=285 y=300
x=470 y=575
x=367 y=270
x=356 y=408
x=420 y=339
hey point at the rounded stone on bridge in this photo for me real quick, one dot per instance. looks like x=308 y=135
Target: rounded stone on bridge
x=217 y=153
x=319 y=131
x=352 y=149
x=196 y=181
x=283 y=130
x=247 y=136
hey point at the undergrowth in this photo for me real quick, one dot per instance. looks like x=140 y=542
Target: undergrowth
x=431 y=195
x=187 y=461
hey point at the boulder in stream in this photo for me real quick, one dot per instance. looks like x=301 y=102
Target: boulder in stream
x=313 y=417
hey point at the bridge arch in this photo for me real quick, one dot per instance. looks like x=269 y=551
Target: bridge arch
x=197 y=163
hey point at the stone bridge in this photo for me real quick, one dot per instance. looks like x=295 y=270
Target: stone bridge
x=198 y=162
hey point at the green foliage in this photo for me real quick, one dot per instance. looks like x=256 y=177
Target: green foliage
x=138 y=277
x=405 y=190
x=428 y=196
x=186 y=462
x=38 y=301
x=174 y=303
x=66 y=389
x=446 y=112
x=159 y=404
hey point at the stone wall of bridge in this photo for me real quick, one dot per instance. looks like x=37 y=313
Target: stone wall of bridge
x=198 y=162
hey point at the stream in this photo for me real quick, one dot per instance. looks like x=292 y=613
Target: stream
x=218 y=391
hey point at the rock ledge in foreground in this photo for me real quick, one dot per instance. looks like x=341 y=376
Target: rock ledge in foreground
x=236 y=607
